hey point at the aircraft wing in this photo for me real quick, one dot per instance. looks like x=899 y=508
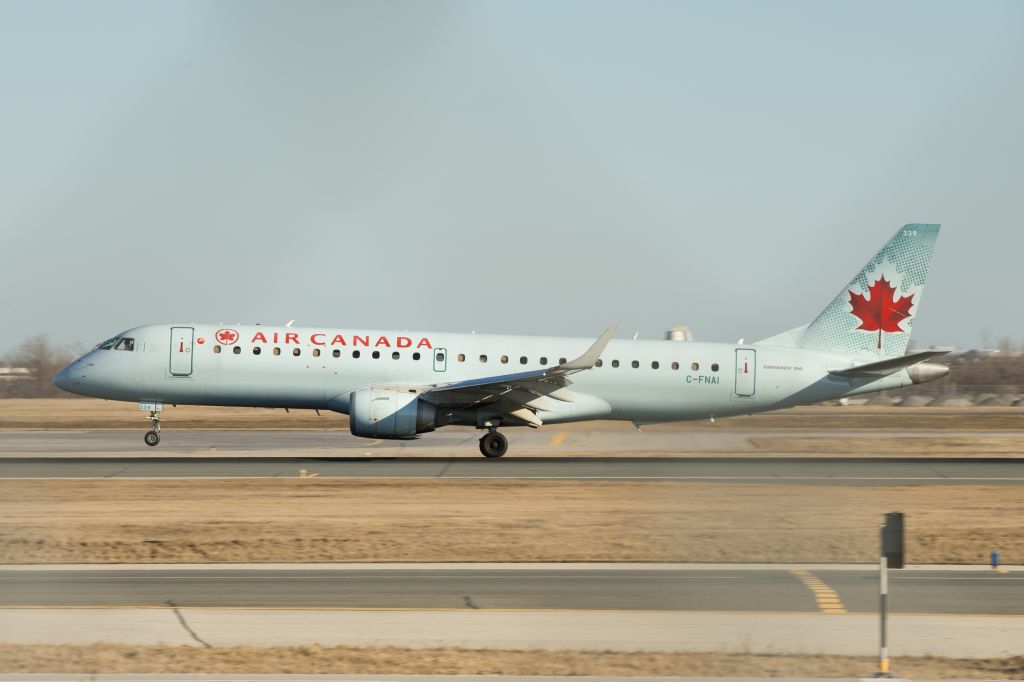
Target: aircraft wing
x=886 y=367
x=518 y=395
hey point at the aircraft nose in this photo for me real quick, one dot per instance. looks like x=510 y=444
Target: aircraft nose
x=69 y=378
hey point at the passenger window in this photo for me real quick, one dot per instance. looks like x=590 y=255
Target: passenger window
x=439 y=357
x=655 y=365
x=615 y=363
x=416 y=355
x=256 y=350
x=675 y=365
x=522 y=360
x=504 y=359
x=462 y=357
x=562 y=361
x=236 y=350
x=336 y=353
x=636 y=364
x=396 y=355
x=695 y=366
x=296 y=352
x=376 y=355
x=216 y=349
x=544 y=361
x=483 y=358
x=599 y=363
x=277 y=351
x=316 y=352
x=355 y=354
x=714 y=367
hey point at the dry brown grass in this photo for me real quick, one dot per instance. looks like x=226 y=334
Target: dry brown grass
x=111 y=658
x=373 y=520
x=90 y=413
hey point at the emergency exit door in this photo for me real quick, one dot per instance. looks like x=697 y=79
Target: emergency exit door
x=746 y=365
x=440 y=359
x=181 y=351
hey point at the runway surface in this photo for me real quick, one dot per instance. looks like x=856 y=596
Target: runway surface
x=724 y=469
x=458 y=441
x=852 y=591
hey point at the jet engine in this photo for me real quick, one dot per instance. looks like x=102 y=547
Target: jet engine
x=389 y=413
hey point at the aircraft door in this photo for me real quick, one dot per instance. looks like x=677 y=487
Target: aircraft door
x=181 y=351
x=746 y=367
x=440 y=359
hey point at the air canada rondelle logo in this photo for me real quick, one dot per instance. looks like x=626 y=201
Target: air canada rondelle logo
x=226 y=336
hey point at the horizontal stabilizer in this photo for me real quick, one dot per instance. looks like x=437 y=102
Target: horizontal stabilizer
x=885 y=367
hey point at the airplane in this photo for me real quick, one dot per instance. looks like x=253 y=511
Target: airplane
x=398 y=385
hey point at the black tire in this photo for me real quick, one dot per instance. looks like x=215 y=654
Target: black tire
x=493 y=445
x=152 y=438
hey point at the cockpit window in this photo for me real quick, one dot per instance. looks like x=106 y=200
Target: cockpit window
x=108 y=344
x=125 y=343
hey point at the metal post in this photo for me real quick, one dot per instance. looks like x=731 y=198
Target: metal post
x=883 y=584
x=883 y=651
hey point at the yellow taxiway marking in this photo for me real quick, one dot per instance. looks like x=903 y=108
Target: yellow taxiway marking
x=559 y=438
x=826 y=598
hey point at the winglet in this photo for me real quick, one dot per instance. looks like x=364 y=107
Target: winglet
x=590 y=358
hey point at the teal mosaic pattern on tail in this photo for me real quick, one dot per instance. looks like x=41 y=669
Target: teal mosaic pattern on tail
x=875 y=312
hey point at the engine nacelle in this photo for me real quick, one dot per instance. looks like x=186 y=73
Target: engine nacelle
x=389 y=413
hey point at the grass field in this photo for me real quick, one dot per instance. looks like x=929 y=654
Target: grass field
x=381 y=520
x=110 y=658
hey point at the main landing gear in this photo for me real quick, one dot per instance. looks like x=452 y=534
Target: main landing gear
x=493 y=444
x=153 y=437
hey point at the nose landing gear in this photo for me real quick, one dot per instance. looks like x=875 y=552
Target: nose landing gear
x=493 y=445
x=153 y=437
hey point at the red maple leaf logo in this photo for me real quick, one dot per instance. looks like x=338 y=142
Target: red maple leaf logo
x=881 y=312
x=226 y=336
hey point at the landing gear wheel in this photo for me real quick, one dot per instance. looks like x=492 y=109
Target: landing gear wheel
x=153 y=437
x=493 y=445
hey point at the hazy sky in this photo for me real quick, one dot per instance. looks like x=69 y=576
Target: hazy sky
x=521 y=167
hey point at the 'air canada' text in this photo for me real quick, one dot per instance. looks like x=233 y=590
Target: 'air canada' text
x=355 y=340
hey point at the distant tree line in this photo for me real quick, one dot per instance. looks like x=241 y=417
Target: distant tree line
x=1005 y=368
x=43 y=360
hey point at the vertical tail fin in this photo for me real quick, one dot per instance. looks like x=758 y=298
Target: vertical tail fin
x=875 y=311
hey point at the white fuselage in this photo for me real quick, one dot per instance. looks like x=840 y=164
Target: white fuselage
x=639 y=381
